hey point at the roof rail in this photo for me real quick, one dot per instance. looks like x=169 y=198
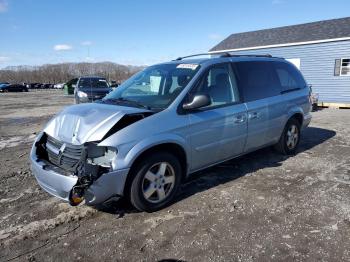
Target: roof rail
x=180 y=58
x=233 y=55
x=225 y=54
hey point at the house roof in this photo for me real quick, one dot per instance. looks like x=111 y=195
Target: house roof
x=302 y=34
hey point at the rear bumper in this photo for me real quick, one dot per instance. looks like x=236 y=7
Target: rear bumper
x=105 y=187
x=307 y=120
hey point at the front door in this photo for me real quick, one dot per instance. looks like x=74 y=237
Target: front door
x=218 y=131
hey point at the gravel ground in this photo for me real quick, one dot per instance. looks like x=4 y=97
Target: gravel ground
x=260 y=207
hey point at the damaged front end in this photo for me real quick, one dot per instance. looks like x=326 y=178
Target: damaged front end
x=67 y=160
x=87 y=163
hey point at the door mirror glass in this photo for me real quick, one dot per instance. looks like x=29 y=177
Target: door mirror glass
x=198 y=101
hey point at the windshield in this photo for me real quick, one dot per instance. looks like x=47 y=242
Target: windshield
x=93 y=83
x=155 y=87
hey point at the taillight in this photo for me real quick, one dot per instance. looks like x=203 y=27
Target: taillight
x=310 y=93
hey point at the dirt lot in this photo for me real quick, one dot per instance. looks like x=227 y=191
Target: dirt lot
x=260 y=207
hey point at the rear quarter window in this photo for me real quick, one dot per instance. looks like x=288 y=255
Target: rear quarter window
x=256 y=80
x=289 y=77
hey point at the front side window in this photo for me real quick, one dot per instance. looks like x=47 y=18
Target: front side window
x=219 y=82
x=156 y=87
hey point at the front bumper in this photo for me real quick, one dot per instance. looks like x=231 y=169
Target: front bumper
x=89 y=98
x=59 y=185
x=52 y=182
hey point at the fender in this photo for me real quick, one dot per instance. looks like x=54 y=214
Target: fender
x=128 y=153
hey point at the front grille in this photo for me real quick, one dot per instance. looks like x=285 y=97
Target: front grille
x=96 y=95
x=64 y=155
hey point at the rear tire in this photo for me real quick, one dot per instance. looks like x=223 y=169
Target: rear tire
x=290 y=138
x=155 y=182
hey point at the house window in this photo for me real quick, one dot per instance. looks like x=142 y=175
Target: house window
x=345 y=67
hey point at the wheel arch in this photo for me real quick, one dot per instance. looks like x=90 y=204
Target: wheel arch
x=171 y=147
x=296 y=113
x=298 y=116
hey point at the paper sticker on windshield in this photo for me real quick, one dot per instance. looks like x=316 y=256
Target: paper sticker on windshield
x=102 y=80
x=187 y=66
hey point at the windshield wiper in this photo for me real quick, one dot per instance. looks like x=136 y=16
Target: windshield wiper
x=127 y=101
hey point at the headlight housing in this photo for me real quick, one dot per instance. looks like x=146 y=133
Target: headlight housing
x=101 y=156
x=82 y=94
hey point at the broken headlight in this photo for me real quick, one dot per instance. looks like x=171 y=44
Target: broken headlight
x=100 y=155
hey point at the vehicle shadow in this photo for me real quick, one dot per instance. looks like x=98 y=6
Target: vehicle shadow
x=233 y=169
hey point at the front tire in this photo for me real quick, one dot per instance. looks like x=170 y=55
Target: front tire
x=155 y=181
x=290 y=138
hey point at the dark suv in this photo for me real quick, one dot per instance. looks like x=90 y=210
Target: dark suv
x=89 y=89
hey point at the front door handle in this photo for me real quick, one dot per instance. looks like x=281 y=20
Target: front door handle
x=254 y=115
x=239 y=119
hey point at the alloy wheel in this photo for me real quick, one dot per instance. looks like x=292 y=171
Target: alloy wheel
x=158 y=182
x=292 y=137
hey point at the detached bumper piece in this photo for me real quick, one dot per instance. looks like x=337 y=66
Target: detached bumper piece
x=76 y=196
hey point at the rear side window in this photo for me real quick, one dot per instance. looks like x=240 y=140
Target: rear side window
x=289 y=78
x=256 y=80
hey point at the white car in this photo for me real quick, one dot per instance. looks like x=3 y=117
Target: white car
x=58 y=86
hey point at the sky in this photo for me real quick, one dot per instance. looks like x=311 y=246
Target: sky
x=136 y=32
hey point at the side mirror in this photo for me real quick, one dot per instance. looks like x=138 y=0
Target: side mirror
x=197 y=102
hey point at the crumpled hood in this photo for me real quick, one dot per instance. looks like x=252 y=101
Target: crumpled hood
x=81 y=123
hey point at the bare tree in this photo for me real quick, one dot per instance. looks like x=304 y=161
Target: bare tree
x=61 y=73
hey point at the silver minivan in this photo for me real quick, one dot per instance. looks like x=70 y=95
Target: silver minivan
x=166 y=122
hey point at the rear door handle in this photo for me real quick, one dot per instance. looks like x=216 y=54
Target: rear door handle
x=239 y=119
x=254 y=115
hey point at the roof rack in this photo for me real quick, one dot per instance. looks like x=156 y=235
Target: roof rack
x=182 y=57
x=225 y=54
